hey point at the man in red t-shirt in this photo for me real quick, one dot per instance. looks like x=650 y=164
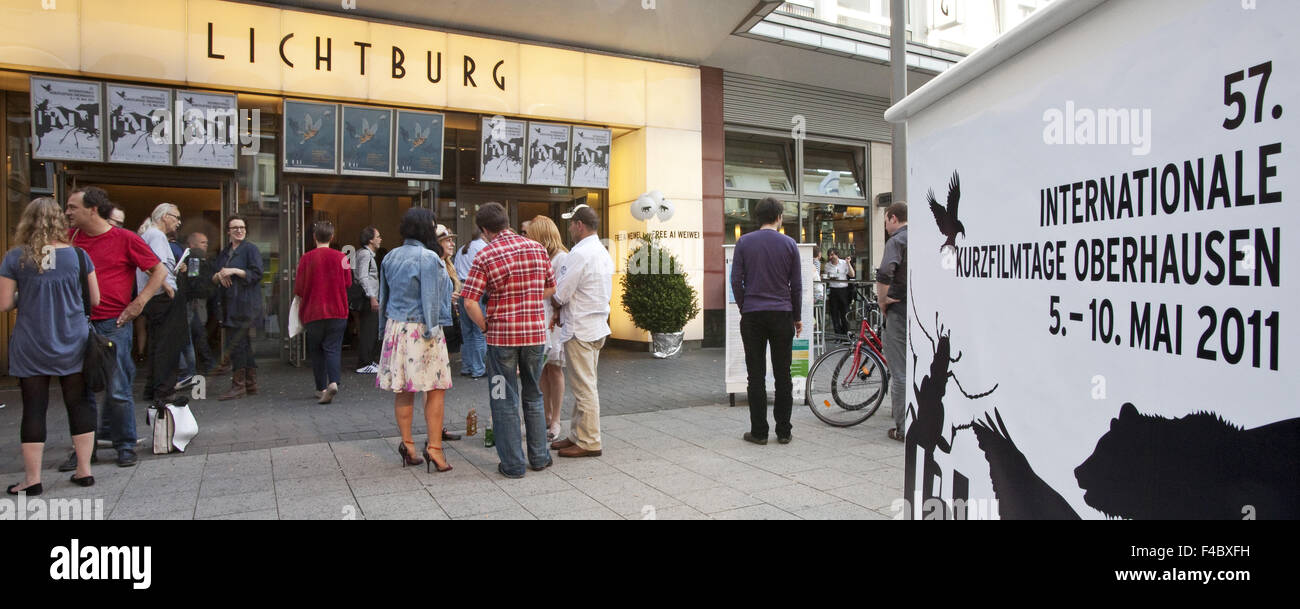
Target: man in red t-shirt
x=516 y=274
x=321 y=283
x=116 y=253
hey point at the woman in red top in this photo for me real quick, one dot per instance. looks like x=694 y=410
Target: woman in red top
x=321 y=283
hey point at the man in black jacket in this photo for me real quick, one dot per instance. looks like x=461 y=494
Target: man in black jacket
x=198 y=290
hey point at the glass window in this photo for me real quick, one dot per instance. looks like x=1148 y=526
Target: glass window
x=839 y=227
x=740 y=220
x=830 y=172
x=754 y=163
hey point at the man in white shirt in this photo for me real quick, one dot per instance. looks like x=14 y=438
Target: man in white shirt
x=583 y=286
x=837 y=302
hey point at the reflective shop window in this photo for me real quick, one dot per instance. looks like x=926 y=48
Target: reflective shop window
x=739 y=219
x=831 y=172
x=842 y=228
x=758 y=164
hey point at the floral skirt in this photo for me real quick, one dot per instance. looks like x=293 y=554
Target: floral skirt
x=409 y=363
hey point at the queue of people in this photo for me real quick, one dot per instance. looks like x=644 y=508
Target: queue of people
x=530 y=312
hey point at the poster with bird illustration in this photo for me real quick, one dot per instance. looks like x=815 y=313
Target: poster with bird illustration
x=548 y=154
x=207 y=130
x=590 y=154
x=367 y=141
x=419 y=145
x=66 y=120
x=139 y=126
x=501 y=157
x=310 y=137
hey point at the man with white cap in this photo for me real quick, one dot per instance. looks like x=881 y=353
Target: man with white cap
x=583 y=285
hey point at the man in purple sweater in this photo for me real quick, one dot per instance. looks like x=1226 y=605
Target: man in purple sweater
x=767 y=285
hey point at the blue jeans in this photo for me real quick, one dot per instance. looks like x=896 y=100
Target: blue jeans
x=505 y=388
x=118 y=422
x=474 y=348
x=325 y=347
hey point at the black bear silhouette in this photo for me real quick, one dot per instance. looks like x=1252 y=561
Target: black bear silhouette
x=1021 y=494
x=1195 y=467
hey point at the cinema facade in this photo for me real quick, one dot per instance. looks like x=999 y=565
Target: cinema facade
x=350 y=120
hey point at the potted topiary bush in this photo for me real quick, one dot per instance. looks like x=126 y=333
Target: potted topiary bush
x=657 y=296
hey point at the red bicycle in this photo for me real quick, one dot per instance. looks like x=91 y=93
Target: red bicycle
x=847 y=385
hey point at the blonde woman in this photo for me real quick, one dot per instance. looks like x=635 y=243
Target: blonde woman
x=49 y=340
x=543 y=230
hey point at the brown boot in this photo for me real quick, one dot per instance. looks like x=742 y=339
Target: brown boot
x=250 y=380
x=236 y=387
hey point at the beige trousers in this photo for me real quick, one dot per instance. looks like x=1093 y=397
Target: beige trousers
x=581 y=360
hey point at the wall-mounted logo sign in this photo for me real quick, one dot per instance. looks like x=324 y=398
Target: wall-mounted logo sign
x=419 y=144
x=208 y=130
x=590 y=156
x=310 y=137
x=502 y=151
x=548 y=154
x=136 y=117
x=367 y=141
x=66 y=120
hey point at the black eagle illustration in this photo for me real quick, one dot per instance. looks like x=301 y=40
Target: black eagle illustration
x=1021 y=493
x=947 y=220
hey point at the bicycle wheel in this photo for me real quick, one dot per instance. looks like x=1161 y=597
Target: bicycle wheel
x=842 y=397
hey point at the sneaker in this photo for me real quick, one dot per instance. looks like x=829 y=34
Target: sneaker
x=126 y=457
x=370 y=369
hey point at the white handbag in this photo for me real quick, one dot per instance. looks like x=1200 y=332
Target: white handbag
x=173 y=428
x=295 y=324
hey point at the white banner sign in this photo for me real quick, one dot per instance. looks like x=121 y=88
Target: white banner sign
x=1097 y=292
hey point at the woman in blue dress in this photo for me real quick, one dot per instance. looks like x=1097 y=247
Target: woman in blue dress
x=42 y=277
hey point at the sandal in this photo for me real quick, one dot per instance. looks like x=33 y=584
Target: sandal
x=895 y=435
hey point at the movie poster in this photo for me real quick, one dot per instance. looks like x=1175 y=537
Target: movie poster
x=591 y=157
x=138 y=129
x=207 y=130
x=502 y=151
x=367 y=141
x=548 y=154
x=310 y=137
x=66 y=120
x=419 y=145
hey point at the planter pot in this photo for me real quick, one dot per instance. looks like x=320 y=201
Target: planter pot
x=666 y=345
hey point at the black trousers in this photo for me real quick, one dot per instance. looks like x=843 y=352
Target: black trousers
x=36 y=402
x=837 y=307
x=367 y=336
x=168 y=324
x=758 y=331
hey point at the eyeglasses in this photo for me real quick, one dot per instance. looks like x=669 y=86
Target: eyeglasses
x=177 y=216
x=235 y=228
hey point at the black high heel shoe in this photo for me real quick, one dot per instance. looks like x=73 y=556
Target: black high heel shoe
x=430 y=463
x=407 y=459
x=32 y=491
x=86 y=481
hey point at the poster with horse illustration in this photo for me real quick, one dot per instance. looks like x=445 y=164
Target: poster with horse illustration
x=548 y=154
x=66 y=119
x=138 y=125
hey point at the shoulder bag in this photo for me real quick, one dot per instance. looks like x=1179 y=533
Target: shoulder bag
x=101 y=352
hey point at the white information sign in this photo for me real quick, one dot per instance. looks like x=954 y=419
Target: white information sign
x=803 y=350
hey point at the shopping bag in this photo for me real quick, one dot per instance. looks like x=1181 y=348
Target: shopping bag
x=295 y=324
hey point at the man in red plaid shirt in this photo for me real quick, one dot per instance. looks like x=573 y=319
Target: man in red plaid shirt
x=515 y=273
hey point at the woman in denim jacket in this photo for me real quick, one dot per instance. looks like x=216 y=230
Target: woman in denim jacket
x=414 y=304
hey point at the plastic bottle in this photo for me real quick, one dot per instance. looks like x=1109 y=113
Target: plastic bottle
x=488 y=439
x=471 y=422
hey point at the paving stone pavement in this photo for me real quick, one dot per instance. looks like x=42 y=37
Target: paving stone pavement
x=669 y=464
x=285 y=412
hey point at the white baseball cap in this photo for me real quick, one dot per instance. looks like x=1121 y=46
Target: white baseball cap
x=443 y=232
x=569 y=215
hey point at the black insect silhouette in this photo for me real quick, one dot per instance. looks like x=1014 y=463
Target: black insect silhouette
x=122 y=123
x=926 y=429
x=1021 y=493
x=1194 y=467
x=79 y=122
x=947 y=220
